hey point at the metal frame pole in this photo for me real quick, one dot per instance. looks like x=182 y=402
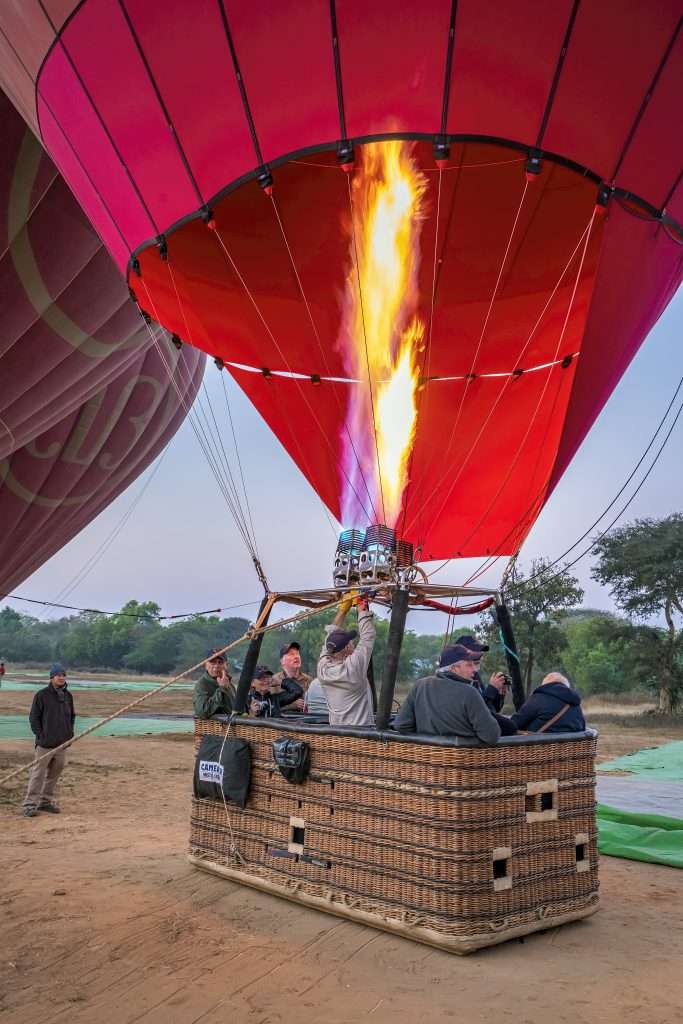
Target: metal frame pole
x=252 y=655
x=397 y=625
x=504 y=621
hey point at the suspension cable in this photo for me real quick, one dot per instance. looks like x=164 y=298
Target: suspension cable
x=321 y=348
x=104 y=546
x=539 y=403
x=272 y=337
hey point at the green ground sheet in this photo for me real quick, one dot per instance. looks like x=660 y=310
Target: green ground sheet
x=665 y=762
x=16 y=727
x=648 y=837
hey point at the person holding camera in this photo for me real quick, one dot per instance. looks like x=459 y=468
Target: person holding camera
x=493 y=692
x=448 y=704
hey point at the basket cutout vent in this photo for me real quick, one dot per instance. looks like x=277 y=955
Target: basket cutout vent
x=581 y=851
x=501 y=864
x=297 y=835
x=540 y=801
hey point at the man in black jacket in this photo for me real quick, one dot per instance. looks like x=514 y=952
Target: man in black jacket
x=262 y=702
x=553 y=707
x=52 y=720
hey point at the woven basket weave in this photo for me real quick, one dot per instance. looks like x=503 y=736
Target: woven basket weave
x=457 y=847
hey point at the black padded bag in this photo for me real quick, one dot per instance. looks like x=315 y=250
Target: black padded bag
x=293 y=758
x=232 y=773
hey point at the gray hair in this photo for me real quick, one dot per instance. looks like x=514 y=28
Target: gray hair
x=557 y=677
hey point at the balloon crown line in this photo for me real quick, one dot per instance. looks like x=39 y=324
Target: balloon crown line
x=131 y=615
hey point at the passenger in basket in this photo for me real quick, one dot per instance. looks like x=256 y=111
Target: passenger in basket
x=291 y=679
x=493 y=692
x=343 y=667
x=553 y=707
x=214 y=693
x=315 y=701
x=261 y=700
x=447 y=703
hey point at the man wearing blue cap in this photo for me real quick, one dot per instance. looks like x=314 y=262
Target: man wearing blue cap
x=448 y=704
x=493 y=692
x=343 y=666
x=52 y=720
x=214 y=693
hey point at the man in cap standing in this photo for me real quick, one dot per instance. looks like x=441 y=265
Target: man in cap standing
x=214 y=693
x=448 y=704
x=290 y=679
x=52 y=720
x=343 y=667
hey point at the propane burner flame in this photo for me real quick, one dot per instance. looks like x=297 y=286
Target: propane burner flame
x=382 y=335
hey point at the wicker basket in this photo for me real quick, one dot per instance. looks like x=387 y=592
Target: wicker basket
x=455 y=846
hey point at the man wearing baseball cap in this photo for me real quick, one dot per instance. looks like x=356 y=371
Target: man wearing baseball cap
x=447 y=703
x=343 y=666
x=214 y=693
x=494 y=692
x=290 y=679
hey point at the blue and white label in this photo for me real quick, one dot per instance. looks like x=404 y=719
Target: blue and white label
x=211 y=771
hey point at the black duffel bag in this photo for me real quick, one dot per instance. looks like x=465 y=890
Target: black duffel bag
x=223 y=765
x=293 y=758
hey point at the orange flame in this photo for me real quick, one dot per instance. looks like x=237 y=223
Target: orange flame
x=383 y=333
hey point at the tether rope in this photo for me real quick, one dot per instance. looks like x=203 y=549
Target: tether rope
x=365 y=342
x=586 y=551
x=321 y=348
x=146 y=616
x=249 y=635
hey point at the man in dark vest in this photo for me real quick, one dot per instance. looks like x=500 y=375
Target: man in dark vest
x=52 y=720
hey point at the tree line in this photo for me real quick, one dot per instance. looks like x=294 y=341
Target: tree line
x=602 y=653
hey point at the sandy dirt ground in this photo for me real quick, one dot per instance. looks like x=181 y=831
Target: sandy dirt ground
x=103 y=921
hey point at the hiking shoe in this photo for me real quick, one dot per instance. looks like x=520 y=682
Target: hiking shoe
x=51 y=808
x=30 y=812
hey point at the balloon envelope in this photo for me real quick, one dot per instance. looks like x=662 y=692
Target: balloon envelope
x=535 y=303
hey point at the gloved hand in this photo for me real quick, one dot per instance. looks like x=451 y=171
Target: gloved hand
x=350 y=599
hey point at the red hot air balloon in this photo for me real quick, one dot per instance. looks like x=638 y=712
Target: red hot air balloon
x=230 y=156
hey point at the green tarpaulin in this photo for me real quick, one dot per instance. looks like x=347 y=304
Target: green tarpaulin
x=646 y=837
x=665 y=762
x=16 y=727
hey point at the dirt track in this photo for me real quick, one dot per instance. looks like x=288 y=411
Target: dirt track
x=104 y=921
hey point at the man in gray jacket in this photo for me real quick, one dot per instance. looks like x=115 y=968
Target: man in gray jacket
x=447 y=704
x=343 y=668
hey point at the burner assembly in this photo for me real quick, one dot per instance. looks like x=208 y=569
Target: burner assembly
x=376 y=556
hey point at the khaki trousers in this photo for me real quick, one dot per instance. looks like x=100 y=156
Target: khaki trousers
x=44 y=777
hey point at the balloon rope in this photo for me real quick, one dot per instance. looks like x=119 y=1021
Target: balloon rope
x=494 y=295
x=278 y=216
x=511 y=378
x=199 y=432
x=229 y=478
x=250 y=633
x=522 y=443
x=272 y=337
